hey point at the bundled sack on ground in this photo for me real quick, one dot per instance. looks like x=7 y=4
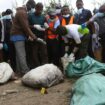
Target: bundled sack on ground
x=89 y=90
x=43 y=76
x=84 y=66
x=6 y=72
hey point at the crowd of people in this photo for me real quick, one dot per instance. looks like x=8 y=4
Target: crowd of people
x=30 y=38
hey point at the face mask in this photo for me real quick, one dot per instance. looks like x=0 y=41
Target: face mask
x=80 y=11
x=7 y=17
x=66 y=16
x=52 y=20
x=32 y=10
x=100 y=14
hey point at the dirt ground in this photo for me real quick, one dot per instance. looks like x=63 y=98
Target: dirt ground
x=13 y=93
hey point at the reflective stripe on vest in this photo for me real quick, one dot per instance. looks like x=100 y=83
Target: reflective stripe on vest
x=70 y=21
x=52 y=36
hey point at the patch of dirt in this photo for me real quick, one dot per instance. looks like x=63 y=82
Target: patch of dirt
x=14 y=93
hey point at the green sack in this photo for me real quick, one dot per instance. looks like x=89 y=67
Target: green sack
x=84 y=66
x=89 y=90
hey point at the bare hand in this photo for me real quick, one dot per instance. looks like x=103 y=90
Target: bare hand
x=30 y=38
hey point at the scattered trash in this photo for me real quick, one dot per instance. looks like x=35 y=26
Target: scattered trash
x=17 y=81
x=44 y=90
x=6 y=92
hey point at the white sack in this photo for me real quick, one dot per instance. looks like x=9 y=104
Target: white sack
x=43 y=76
x=5 y=72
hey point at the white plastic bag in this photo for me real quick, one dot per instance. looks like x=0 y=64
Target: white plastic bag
x=66 y=59
x=5 y=72
x=43 y=76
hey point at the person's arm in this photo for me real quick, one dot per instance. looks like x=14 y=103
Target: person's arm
x=94 y=17
x=23 y=20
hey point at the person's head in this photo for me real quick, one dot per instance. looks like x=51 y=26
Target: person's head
x=39 y=8
x=65 y=10
x=61 y=30
x=79 y=4
x=95 y=11
x=9 y=14
x=52 y=14
x=102 y=8
x=3 y=13
x=21 y=8
x=30 y=5
x=8 y=11
x=58 y=9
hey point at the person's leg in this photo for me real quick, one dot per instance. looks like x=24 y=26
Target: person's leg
x=29 y=54
x=21 y=56
x=55 y=52
x=83 y=50
x=18 y=68
x=43 y=53
x=12 y=55
x=35 y=54
x=90 y=51
x=1 y=56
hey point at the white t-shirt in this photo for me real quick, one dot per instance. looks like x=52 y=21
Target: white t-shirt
x=73 y=33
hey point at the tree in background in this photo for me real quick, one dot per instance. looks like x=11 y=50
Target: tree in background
x=97 y=4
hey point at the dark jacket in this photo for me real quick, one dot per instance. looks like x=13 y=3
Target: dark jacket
x=101 y=23
x=83 y=17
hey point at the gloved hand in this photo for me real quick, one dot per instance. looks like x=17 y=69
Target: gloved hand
x=65 y=55
x=71 y=57
x=65 y=61
x=5 y=46
x=1 y=46
x=83 y=25
x=46 y=25
x=41 y=40
x=38 y=27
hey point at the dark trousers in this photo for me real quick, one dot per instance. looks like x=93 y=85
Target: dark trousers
x=61 y=46
x=53 y=51
x=102 y=41
x=10 y=55
x=36 y=54
x=83 y=48
x=90 y=52
x=1 y=56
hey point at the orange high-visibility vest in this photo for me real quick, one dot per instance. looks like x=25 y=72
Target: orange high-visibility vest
x=51 y=26
x=63 y=22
